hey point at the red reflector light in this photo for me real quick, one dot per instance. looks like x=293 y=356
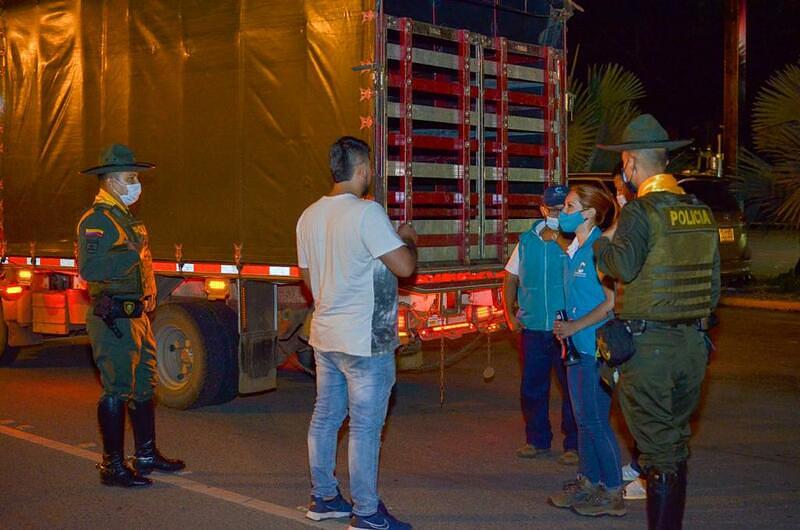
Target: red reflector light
x=13 y=292
x=449 y=327
x=448 y=277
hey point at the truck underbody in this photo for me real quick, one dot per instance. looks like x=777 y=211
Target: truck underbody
x=467 y=129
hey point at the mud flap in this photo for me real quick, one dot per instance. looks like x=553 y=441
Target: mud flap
x=257 y=361
x=259 y=336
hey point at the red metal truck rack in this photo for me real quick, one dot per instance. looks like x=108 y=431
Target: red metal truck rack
x=472 y=128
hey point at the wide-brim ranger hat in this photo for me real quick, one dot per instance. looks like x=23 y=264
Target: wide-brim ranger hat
x=644 y=132
x=117 y=157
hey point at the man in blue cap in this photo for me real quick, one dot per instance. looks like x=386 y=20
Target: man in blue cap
x=114 y=258
x=533 y=290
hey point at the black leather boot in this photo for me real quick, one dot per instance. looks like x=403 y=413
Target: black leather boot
x=148 y=457
x=113 y=470
x=666 y=498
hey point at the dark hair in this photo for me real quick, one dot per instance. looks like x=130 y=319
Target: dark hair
x=345 y=155
x=599 y=199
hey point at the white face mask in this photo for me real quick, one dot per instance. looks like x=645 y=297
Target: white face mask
x=621 y=200
x=551 y=223
x=132 y=193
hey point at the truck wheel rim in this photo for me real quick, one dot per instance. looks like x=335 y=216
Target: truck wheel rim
x=175 y=358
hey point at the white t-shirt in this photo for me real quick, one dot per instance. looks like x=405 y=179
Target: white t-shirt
x=339 y=241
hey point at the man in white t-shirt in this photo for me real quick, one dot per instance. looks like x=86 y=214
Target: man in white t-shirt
x=350 y=257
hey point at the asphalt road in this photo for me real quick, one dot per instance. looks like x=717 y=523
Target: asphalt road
x=442 y=467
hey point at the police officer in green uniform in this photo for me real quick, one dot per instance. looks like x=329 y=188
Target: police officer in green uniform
x=114 y=258
x=664 y=253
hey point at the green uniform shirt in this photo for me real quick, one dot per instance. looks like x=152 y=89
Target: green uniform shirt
x=623 y=257
x=104 y=259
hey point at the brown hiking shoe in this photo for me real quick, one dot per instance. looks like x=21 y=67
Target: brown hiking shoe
x=572 y=492
x=529 y=451
x=602 y=501
x=569 y=458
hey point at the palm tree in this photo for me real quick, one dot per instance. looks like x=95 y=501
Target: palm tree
x=602 y=109
x=769 y=180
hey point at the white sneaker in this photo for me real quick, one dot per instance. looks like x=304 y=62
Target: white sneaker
x=628 y=473
x=635 y=490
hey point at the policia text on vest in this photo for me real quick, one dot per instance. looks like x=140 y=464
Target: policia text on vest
x=688 y=217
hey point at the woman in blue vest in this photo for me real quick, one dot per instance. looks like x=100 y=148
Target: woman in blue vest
x=598 y=489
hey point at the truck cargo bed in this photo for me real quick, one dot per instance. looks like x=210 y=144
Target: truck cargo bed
x=237 y=103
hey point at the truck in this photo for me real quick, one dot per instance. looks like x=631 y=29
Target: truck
x=462 y=102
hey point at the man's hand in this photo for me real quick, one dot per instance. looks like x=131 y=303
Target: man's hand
x=513 y=322
x=407 y=233
x=149 y=304
x=563 y=329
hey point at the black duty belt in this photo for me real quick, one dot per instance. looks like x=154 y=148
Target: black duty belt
x=111 y=308
x=674 y=323
x=638 y=327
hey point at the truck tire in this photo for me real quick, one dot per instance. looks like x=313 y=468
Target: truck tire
x=229 y=328
x=7 y=353
x=191 y=352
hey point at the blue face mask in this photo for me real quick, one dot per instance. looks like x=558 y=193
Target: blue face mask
x=627 y=181
x=570 y=222
x=551 y=223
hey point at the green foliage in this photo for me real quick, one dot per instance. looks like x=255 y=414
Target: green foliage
x=582 y=131
x=776 y=113
x=602 y=109
x=770 y=180
x=755 y=183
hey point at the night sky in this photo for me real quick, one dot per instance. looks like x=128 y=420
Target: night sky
x=676 y=49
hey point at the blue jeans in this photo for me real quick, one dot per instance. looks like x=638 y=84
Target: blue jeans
x=541 y=353
x=360 y=386
x=600 y=459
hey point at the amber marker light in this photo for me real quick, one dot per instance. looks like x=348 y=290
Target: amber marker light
x=13 y=292
x=217 y=289
x=24 y=276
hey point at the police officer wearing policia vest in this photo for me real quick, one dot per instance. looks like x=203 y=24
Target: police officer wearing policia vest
x=664 y=252
x=114 y=258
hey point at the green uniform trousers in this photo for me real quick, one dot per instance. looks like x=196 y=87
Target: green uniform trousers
x=127 y=365
x=660 y=389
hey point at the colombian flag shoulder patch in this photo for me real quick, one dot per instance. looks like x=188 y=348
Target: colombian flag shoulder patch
x=93 y=233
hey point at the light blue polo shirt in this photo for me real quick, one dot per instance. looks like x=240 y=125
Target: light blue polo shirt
x=584 y=290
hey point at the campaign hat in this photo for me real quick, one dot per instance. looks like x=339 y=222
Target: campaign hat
x=117 y=157
x=644 y=132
